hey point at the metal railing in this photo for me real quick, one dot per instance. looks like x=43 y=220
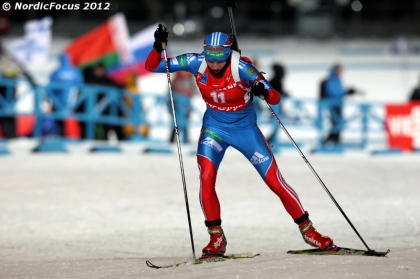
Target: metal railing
x=92 y=104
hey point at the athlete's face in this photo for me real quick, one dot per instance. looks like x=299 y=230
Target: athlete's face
x=216 y=66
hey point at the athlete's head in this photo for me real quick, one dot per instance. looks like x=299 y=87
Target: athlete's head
x=217 y=49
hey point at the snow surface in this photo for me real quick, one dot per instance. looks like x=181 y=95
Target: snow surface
x=85 y=215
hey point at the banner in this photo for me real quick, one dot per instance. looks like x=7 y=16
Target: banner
x=34 y=48
x=403 y=126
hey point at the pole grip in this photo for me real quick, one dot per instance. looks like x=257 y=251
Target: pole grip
x=163 y=45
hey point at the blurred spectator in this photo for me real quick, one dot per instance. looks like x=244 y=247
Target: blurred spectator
x=415 y=95
x=277 y=82
x=68 y=78
x=332 y=89
x=183 y=87
x=132 y=88
x=96 y=75
x=8 y=94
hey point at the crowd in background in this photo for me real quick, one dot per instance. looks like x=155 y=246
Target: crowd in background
x=331 y=88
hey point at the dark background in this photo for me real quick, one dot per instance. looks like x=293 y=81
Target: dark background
x=314 y=18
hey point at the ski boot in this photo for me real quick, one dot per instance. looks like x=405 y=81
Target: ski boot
x=217 y=244
x=314 y=238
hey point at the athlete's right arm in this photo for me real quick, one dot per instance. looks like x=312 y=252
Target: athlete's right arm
x=155 y=63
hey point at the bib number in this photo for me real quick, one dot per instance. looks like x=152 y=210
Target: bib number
x=216 y=96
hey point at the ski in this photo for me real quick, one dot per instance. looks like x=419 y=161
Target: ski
x=207 y=260
x=339 y=251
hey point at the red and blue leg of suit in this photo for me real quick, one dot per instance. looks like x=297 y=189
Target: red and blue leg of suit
x=212 y=145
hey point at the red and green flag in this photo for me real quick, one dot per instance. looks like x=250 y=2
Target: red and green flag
x=107 y=44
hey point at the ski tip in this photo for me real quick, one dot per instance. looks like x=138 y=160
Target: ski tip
x=149 y=264
x=377 y=254
x=337 y=250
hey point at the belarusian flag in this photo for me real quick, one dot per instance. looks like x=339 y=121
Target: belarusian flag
x=107 y=44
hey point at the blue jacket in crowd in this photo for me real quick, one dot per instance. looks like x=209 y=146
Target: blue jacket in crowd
x=66 y=74
x=334 y=87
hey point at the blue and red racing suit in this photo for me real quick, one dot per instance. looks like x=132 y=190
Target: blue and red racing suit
x=229 y=120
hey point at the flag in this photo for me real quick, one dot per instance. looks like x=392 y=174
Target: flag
x=34 y=47
x=107 y=44
x=141 y=43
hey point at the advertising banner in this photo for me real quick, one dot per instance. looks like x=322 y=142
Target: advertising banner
x=403 y=126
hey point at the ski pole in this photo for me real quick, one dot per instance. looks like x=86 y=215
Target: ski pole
x=315 y=173
x=235 y=45
x=295 y=145
x=178 y=143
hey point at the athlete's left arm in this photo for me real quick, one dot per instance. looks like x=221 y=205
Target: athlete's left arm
x=248 y=72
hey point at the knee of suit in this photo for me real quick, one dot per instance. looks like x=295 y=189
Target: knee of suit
x=208 y=171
